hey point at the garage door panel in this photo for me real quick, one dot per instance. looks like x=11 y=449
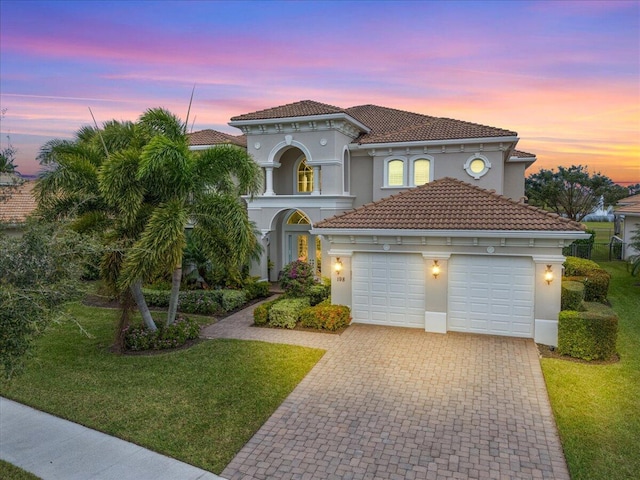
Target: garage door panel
x=394 y=286
x=491 y=295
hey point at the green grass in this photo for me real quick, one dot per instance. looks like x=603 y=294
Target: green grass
x=12 y=472
x=597 y=407
x=199 y=405
x=604 y=230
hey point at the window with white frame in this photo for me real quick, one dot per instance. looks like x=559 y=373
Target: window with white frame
x=304 y=177
x=421 y=171
x=401 y=171
x=477 y=165
x=394 y=172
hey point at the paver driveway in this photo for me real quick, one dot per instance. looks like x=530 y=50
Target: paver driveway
x=396 y=403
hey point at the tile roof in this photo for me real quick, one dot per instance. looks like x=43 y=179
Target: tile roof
x=388 y=125
x=521 y=154
x=449 y=204
x=18 y=203
x=633 y=208
x=304 y=108
x=633 y=199
x=214 y=137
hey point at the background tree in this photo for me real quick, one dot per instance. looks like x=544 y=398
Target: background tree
x=572 y=191
x=38 y=273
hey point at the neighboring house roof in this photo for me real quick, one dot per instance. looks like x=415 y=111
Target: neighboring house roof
x=521 y=154
x=387 y=125
x=18 y=204
x=449 y=204
x=214 y=137
x=630 y=200
x=629 y=205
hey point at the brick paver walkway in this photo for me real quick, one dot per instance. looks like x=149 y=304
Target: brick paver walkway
x=395 y=403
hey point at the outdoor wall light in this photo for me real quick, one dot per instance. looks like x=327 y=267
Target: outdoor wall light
x=548 y=275
x=435 y=269
x=338 y=265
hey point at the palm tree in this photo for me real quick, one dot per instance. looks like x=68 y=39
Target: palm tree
x=185 y=186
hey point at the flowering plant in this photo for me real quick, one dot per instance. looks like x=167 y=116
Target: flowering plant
x=296 y=278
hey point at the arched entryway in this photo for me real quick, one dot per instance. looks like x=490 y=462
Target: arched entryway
x=298 y=243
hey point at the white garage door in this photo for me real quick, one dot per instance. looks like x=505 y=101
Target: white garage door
x=491 y=295
x=388 y=289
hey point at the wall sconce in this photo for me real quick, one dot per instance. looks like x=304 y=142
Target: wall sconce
x=435 y=269
x=548 y=275
x=338 y=265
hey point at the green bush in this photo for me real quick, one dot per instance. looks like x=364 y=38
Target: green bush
x=285 y=313
x=589 y=334
x=596 y=286
x=156 y=298
x=256 y=289
x=138 y=339
x=261 y=313
x=326 y=317
x=595 y=279
x=577 y=267
x=572 y=295
x=203 y=302
x=318 y=293
x=232 y=299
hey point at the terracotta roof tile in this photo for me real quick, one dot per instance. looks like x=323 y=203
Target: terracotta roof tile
x=387 y=125
x=214 y=137
x=18 y=203
x=391 y=125
x=632 y=208
x=303 y=108
x=449 y=204
x=521 y=154
x=633 y=199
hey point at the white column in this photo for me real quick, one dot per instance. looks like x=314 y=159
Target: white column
x=269 y=181
x=316 y=181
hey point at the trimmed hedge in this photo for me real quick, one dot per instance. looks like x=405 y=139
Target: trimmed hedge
x=572 y=295
x=261 y=313
x=595 y=279
x=286 y=313
x=318 y=293
x=256 y=289
x=326 y=317
x=589 y=334
x=203 y=302
x=138 y=338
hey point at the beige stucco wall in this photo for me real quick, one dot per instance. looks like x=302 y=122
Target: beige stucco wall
x=631 y=223
x=514 y=180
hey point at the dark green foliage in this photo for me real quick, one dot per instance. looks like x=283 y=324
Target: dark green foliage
x=261 y=313
x=589 y=334
x=572 y=295
x=326 y=317
x=286 y=313
x=582 y=247
x=595 y=279
x=256 y=289
x=137 y=338
x=297 y=277
x=38 y=273
x=318 y=293
x=203 y=302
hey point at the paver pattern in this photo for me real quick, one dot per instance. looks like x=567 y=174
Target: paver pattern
x=396 y=403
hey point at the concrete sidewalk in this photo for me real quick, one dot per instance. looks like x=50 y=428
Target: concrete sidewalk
x=53 y=448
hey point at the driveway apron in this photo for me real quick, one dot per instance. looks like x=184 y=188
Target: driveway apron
x=396 y=403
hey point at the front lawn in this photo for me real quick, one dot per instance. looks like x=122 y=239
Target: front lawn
x=199 y=405
x=8 y=471
x=597 y=407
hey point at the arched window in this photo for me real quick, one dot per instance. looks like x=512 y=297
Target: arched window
x=298 y=218
x=395 y=173
x=421 y=171
x=305 y=177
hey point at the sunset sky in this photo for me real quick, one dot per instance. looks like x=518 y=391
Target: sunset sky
x=564 y=75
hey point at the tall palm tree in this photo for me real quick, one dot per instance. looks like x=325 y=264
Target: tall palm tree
x=186 y=186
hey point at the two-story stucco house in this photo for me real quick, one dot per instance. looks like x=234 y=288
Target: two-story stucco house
x=419 y=221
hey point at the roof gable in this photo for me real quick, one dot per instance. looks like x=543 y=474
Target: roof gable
x=449 y=204
x=214 y=137
x=303 y=108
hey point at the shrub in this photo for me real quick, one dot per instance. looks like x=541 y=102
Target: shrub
x=590 y=334
x=204 y=302
x=595 y=279
x=256 y=289
x=572 y=295
x=576 y=267
x=232 y=299
x=156 y=298
x=318 y=293
x=326 y=317
x=296 y=278
x=138 y=339
x=285 y=313
x=261 y=313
